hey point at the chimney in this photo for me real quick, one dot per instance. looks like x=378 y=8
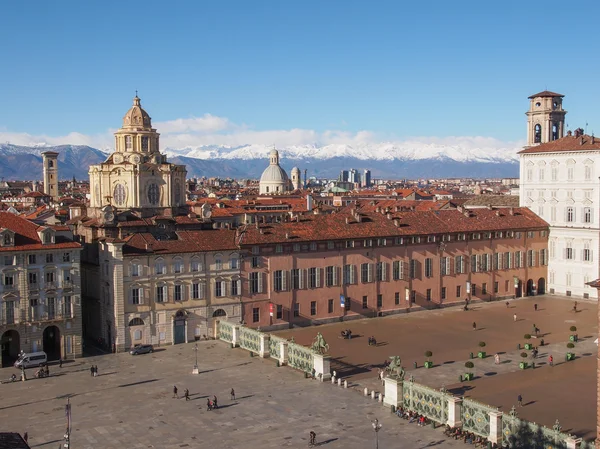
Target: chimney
x=309 y=202
x=347 y=220
x=460 y=209
x=261 y=231
x=593 y=140
x=287 y=236
x=316 y=211
x=581 y=141
x=378 y=209
x=358 y=218
x=397 y=209
x=511 y=211
x=467 y=213
x=397 y=222
x=389 y=216
x=569 y=133
x=489 y=207
x=497 y=212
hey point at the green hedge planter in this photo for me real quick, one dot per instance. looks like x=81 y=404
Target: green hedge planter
x=468 y=376
x=428 y=364
x=571 y=337
x=523 y=365
x=481 y=355
x=570 y=356
x=528 y=346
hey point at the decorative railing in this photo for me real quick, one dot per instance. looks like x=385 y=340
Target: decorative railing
x=249 y=339
x=426 y=401
x=300 y=357
x=517 y=432
x=275 y=346
x=225 y=331
x=475 y=417
x=587 y=445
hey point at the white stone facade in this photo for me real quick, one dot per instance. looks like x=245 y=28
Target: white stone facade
x=562 y=187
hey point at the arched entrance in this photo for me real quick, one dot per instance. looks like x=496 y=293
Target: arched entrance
x=541 y=287
x=11 y=345
x=51 y=342
x=518 y=289
x=219 y=313
x=179 y=327
x=530 y=288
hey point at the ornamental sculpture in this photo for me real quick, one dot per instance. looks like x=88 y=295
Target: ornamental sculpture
x=319 y=345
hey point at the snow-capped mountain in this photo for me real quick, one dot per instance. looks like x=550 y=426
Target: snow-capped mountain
x=471 y=157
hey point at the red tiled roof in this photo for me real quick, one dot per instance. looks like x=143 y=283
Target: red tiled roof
x=186 y=242
x=565 y=144
x=26 y=236
x=546 y=93
x=334 y=226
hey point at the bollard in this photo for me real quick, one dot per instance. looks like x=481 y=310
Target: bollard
x=345 y=384
x=415 y=365
x=532 y=365
x=332 y=380
x=460 y=378
x=471 y=355
x=339 y=382
x=335 y=374
x=518 y=345
x=380 y=397
x=373 y=394
x=393 y=408
x=366 y=391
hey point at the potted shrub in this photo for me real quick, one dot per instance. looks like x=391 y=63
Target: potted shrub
x=523 y=363
x=469 y=365
x=528 y=345
x=573 y=337
x=570 y=355
x=428 y=363
x=481 y=354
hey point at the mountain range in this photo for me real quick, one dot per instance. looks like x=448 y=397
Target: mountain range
x=385 y=160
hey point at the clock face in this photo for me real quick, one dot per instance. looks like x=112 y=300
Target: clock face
x=135 y=159
x=117 y=158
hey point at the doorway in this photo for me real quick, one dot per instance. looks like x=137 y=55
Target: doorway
x=11 y=346
x=51 y=342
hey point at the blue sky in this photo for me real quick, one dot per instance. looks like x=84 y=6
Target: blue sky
x=393 y=68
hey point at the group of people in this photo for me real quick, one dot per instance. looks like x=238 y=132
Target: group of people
x=211 y=404
x=346 y=334
x=467 y=437
x=372 y=341
x=44 y=371
x=411 y=416
x=94 y=370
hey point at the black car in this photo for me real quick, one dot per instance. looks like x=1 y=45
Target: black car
x=141 y=349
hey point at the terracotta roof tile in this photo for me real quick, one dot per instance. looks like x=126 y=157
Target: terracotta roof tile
x=26 y=236
x=566 y=144
x=186 y=242
x=546 y=93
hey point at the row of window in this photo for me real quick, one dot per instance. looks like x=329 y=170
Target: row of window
x=178 y=266
x=588 y=173
x=33 y=277
x=409 y=295
x=570 y=215
x=298 y=278
x=32 y=259
x=196 y=290
x=369 y=243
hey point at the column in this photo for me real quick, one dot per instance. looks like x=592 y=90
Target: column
x=495 y=427
x=283 y=353
x=454 y=405
x=393 y=391
x=264 y=345
x=322 y=366
x=573 y=443
x=235 y=336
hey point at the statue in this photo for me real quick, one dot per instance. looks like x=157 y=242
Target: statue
x=395 y=368
x=319 y=345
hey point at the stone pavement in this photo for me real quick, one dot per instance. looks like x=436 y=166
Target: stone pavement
x=130 y=405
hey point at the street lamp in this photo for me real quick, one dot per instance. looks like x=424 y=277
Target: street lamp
x=195 y=370
x=376 y=428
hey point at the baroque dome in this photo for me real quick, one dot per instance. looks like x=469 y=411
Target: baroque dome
x=274 y=173
x=136 y=117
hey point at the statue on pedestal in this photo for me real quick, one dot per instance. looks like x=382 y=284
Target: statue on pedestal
x=395 y=368
x=320 y=346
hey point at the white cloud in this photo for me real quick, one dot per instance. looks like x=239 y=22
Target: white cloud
x=211 y=130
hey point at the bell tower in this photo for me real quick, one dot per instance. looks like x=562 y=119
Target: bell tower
x=545 y=118
x=50 y=173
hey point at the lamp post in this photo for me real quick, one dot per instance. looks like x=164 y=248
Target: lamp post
x=376 y=428
x=195 y=370
x=67 y=435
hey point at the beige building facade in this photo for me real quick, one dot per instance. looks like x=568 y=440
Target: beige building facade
x=40 y=294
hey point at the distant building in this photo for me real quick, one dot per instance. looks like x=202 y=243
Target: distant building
x=366 y=178
x=50 y=173
x=274 y=180
x=344 y=176
x=296 y=179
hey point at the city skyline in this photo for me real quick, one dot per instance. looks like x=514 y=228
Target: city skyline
x=271 y=74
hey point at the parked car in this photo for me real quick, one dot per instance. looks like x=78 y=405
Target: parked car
x=28 y=360
x=141 y=349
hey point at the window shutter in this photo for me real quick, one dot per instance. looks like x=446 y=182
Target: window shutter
x=335 y=275
x=260 y=281
x=144 y=296
x=352 y=274
x=318 y=278
x=273 y=280
x=301 y=278
x=533 y=258
x=370 y=272
x=384 y=271
x=201 y=287
x=223 y=288
x=284 y=275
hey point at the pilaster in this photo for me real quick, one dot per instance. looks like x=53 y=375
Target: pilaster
x=495 y=435
x=235 y=336
x=393 y=391
x=322 y=366
x=454 y=405
x=283 y=353
x=264 y=345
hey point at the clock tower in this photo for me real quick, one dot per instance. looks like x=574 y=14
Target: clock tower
x=136 y=177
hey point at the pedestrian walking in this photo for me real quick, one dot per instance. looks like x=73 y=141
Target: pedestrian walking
x=208 y=404
x=551 y=361
x=533 y=328
x=95 y=370
x=536 y=330
x=186 y=394
x=497 y=359
x=313 y=438
x=515 y=317
x=575 y=307
x=535 y=307
x=60 y=362
x=92 y=370
x=520 y=400
x=474 y=326
x=215 y=404
x=232 y=394
x=507 y=304
x=175 y=395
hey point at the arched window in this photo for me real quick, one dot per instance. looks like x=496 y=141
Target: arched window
x=153 y=193
x=50 y=164
x=136 y=322
x=267 y=189
x=119 y=194
x=538 y=134
x=160 y=267
x=554 y=131
x=218 y=264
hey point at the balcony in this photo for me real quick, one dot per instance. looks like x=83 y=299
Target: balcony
x=9 y=287
x=51 y=316
x=33 y=286
x=51 y=285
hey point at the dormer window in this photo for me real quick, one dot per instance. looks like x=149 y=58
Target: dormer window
x=47 y=238
x=46 y=235
x=7 y=238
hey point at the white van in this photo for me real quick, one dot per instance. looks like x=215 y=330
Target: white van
x=27 y=360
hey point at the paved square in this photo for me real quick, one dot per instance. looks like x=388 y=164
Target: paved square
x=566 y=392
x=130 y=405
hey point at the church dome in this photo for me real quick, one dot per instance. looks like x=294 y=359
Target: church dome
x=274 y=173
x=136 y=117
